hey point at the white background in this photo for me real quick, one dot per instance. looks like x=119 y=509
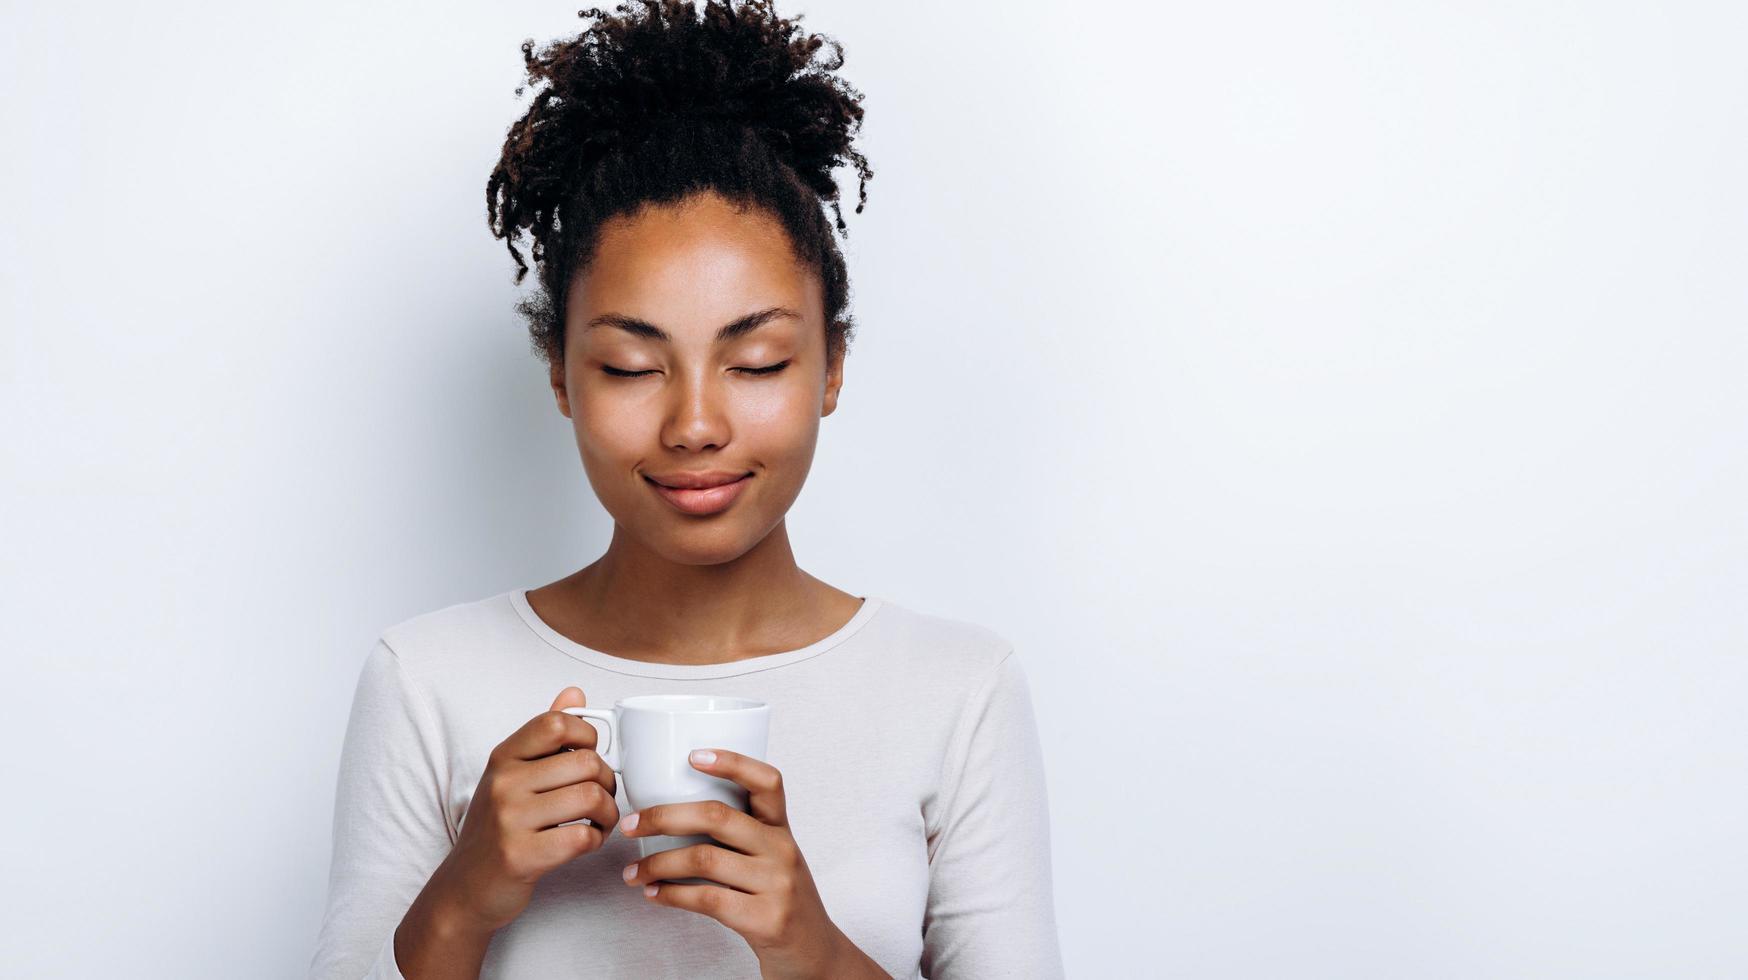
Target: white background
x=1343 y=406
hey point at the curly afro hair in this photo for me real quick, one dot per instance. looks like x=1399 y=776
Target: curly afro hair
x=655 y=103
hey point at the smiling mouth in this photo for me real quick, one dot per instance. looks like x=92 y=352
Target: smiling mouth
x=703 y=501
x=711 y=487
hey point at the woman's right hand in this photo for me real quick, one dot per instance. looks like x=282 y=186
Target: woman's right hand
x=510 y=836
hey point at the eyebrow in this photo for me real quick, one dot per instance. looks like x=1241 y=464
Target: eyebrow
x=729 y=331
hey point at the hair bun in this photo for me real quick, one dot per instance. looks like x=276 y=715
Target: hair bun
x=657 y=64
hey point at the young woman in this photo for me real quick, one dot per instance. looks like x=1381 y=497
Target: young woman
x=673 y=173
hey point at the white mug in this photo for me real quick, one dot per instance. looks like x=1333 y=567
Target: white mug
x=647 y=739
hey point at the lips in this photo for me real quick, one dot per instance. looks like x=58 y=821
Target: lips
x=710 y=499
x=701 y=480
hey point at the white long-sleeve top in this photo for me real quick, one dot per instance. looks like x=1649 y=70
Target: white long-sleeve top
x=911 y=770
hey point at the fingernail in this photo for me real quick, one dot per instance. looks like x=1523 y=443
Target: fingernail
x=630 y=871
x=703 y=757
x=649 y=891
x=630 y=823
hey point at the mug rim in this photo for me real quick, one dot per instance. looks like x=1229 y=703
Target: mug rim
x=742 y=704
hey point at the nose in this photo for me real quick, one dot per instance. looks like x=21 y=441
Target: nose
x=696 y=418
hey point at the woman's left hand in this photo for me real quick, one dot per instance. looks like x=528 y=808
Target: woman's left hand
x=769 y=898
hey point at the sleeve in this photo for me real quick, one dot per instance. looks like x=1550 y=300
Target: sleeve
x=991 y=911
x=389 y=830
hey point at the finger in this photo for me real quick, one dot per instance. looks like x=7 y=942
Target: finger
x=565 y=768
x=761 y=780
x=546 y=733
x=570 y=697
x=573 y=802
x=725 y=905
x=567 y=843
x=713 y=817
x=719 y=864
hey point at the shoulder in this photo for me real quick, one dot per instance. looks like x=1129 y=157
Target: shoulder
x=440 y=637
x=940 y=647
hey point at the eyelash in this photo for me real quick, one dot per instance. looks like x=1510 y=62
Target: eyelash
x=614 y=372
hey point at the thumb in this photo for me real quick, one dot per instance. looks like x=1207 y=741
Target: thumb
x=570 y=697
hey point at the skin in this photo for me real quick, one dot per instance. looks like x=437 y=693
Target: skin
x=671 y=588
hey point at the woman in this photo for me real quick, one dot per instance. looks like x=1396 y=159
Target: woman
x=673 y=174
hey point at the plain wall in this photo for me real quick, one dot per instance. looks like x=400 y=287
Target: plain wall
x=1343 y=407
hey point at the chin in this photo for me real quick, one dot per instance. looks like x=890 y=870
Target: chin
x=697 y=546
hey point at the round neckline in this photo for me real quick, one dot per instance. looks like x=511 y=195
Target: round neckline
x=639 y=668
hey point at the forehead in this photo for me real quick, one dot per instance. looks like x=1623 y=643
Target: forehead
x=692 y=266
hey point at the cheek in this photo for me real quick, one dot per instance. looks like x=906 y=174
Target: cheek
x=779 y=427
x=779 y=409
x=615 y=424
x=611 y=430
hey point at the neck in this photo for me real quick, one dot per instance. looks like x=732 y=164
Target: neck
x=646 y=606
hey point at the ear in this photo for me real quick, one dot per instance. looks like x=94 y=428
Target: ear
x=834 y=380
x=559 y=391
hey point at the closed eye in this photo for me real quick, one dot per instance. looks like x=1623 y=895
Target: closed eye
x=614 y=372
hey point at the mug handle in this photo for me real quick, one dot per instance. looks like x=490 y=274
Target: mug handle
x=605 y=721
